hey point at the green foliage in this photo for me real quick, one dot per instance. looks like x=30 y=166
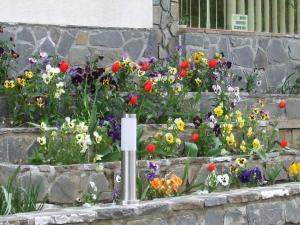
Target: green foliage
x=291 y=84
x=17 y=196
x=274 y=172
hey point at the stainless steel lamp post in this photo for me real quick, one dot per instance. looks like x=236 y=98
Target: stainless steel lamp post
x=128 y=148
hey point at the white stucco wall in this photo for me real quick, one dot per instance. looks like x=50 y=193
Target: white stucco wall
x=95 y=13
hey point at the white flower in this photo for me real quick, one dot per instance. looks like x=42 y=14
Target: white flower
x=87 y=140
x=44 y=126
x=177 y=88
x=71 y=123
x=94 y=197
x=46 y=78
x=223 y=179
x=212 y=122
x=98 y=158
x=81 y=127
x=43 y=55
x=216 y=89
x=93 y=186
x=118 y=178
x=79 y=138
x=60 y=85
x=41 y=140
x=32 y=60
x=98 y=138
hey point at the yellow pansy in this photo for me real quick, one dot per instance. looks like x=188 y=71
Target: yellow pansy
x=198 y=57
x=241 y=162
x=293 y=169
x=238 y=113
x=21 y=81
x=218 y=111
x=180 y=124
x=230 y=140
x=178 y=141
x=28 y=74
x=250 y=132
x=256 y=144
x=241 y=123
x=9 y=84
x=169 y=138
x=228 y=128
x=172 y=70
x=171 y=79
x=243 y=146
x=41 y=140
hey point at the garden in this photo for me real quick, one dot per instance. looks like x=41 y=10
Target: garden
x=75 y=112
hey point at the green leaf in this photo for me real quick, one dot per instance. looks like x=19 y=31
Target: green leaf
x=113 y=156
x=191 y=149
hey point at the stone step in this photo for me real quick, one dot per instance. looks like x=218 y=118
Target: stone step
x=63 y=184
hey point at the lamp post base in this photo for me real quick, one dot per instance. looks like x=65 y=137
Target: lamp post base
x=129 y=202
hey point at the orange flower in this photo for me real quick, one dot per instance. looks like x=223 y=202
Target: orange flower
x=155 y=183
x=177 y=181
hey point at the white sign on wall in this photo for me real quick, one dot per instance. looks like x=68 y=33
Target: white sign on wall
x=239 y=22
x=91 y=13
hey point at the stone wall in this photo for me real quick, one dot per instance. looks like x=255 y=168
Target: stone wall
x=278 y=54
x=279 y=204
x=78 y=44
x=64 y=184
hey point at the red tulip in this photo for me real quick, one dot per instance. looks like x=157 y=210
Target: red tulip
x=282 y=104
x=182 y=73
x=133 y=100
x=184 y=64
x=116 y=67
x=211 y=167
x=213 y=63
x=148 y=86
x=284 y=143
x=145 y=66
x=195 y=137
x=63 y=66
x=151 y=148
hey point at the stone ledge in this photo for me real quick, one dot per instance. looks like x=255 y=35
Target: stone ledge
x=278 y=193
x=238 y=33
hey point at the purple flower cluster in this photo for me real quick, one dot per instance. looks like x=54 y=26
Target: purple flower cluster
x=251 y=175
x=153 y=171
x=114 y=128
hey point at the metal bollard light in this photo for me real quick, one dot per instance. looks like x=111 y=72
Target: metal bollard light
x=128 y=168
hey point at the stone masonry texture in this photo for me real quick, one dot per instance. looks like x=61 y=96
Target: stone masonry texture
x=278 y=204
x=65 y=184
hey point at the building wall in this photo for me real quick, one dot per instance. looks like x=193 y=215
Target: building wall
x=78 y=43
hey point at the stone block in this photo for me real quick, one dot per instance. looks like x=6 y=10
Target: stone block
x=79 y=55
x=194 y=39
x=25 y=51
x=82 y=38
x=215 y=217
x=109 y=39
x=175 y=11
x=236 y=216
x=294 y=49
x=276 y=75
x=239 y=41
x=292 y=210
x=263 y=42
x=26 y=35
x=265 y=214
x=55 y=34
x=293 y=109
x=276 y=52
x=47 y=46
x=65 y=44
x=186 y=220
x=165 y=5
x=260 y=60
x=134 y=48
x=100 y=181
x=64 y=189
x=157 y=11
x=40 y=32
x=243 y=56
